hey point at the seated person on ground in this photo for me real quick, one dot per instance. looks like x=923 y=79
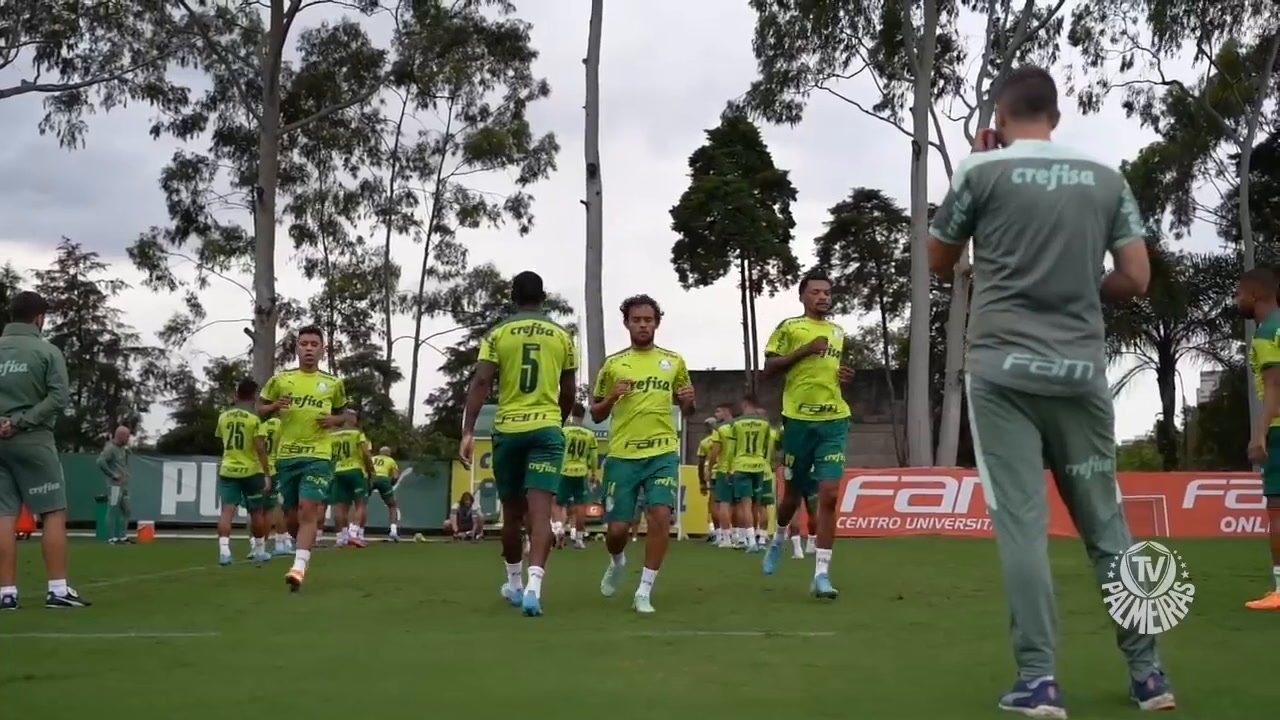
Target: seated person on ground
x=465 y=521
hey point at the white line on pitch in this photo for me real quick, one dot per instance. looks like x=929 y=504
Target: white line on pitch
x=731 y=633
x=150 y=576
x=110 y=636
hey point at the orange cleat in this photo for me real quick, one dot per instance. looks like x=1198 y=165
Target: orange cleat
x=1270 y=601
x=294 y=579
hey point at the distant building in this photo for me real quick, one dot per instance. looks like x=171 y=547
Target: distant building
x=1209 y=382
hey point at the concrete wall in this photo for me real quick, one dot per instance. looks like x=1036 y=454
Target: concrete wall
x=871 y=441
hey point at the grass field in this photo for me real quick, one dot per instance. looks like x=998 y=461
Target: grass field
x=419 y=629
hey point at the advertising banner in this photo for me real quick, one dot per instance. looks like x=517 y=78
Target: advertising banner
x=937 y=501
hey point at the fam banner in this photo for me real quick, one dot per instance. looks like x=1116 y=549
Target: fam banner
x=943 y=501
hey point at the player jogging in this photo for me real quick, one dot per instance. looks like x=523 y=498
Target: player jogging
x=535 y=364
x=815 y=420
x=386 y=476
x=580 y=448
x=269 y=439
x=720 y=459
x=637 y=387
x=1256 y=299
x=309 y=404
x=752 y=451
x=352 y=469
x=1042 y=217
x=242 y=479
x=704 y=480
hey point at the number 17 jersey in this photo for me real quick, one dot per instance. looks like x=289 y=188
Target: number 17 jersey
x=531 y=352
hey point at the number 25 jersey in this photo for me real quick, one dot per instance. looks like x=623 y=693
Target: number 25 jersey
x=531 y=352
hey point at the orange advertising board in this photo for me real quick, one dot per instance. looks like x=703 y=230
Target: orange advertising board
x=945 y=501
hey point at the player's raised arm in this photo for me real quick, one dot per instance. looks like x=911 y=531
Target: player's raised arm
x=954 y=222
x=684 y=389
x=606 y=393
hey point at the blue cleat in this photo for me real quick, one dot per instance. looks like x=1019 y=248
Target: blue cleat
x=531 y=606
x=1038 y=698
x=821 y=588
x=772 y=555
x=609 y=583
x=511 y=595
x=224 y=560
x=281 y=551
x=262 y=557
x=1154 y=693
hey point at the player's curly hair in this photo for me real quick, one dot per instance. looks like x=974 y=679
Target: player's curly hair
x=636 y=301
x=814 y=275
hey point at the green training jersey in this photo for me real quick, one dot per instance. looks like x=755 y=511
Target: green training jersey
x=532 y=353
x=579 y=452
x=1264 y=351
x=753 y=444
x=704 y=447
x=385 y=466
x=724 y=438
x=237 y=429
x=269 y=431
x=1042 y=218
x=812 y=389
x=348 y=449
x=642 y=424
x=33 y=382
x=315 y=395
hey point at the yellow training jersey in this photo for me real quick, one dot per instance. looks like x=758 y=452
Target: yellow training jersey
x=642 y=425
x=269 y=431
x=237 y=428
x=579 y=452
x=385 y=466
x=704 y=446
x=723 y=436
x=348 y=446
x=315 y=395
x=531 y=352
x=1264 y=352
x=753 y=444
x=812 y=389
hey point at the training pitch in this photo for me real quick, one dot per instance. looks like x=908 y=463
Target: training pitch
x=418 y=630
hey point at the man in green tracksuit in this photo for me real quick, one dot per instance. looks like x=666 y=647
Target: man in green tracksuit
x=113 y=461
x=33 y=393
x=1042 y=217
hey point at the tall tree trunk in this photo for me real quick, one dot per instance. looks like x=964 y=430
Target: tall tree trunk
x=388 y=278
x=594 y=298
x=1167 y=428
x=885 y=357
x=754 y=365
x=1246 y=212
x=919 y=416
x=265 y=310
x=437 y=196
x=745 y=302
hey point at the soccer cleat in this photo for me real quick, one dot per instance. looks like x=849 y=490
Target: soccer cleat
x=511 y=595
x=261 y=557
x=252 y=555
x=71 y=599
x=772 y=555
x=711 y=538
x=1270 y=601
x=1154 y=693
x=8 y=602
x=357 y=542
x=609 y=583
x=393 y=538
x=531 y=605
x=1039 y=698
x=224 y=559
x=282 y=549
x=641 y=604
x=821 y=588
x=294 y=579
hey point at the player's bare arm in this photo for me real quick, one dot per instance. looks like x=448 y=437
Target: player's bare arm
x=775 y=364
x=1270 y=411
x=260 y=449
x=480 y=389
x=685 y=399
x=943 y=257
x=1131 y=275
x=602 y=406
x=338 y=417
x=568 y=393
x=367 y=458
x=268 y=409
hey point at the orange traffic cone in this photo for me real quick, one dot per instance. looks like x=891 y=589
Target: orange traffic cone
x=26 y=523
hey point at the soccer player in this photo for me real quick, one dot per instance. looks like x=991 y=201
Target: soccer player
x=269 y=440
x=33 y=395
x=113 y=462
x=309 y=403
x=704 y=480
x=815 y=420
x=762 y=495
x=580 y=448
x=720 y=458
x=753 y=449
x=1256 y=299
x=352 y=469
x=386 y=475
x=535 y=364
x=637 y=387
x=1042 y=217
x=242 y=481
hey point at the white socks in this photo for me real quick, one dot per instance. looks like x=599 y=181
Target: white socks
x=824 y=562
x=395 y=529
x=779 y=536
x=515 y=575
x=647 y=578
x=300 y=560
x=224 y=546
x=535 y=580
x=57 y=587
x=557 y=529
x=619 y=560
x=797 y=544
x=10 y=591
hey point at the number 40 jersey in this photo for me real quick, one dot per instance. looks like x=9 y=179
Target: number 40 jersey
x=531 y=352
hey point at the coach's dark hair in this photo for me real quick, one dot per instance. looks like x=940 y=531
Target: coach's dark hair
x=578 y=411
x=725 y=406
x=311 y=330
x=26 y=306
x=247 y=389
x=526 y=289
x=1029 y=93
x=1263 y=279
x=751 y=399
x=814 y=275
x=636 y=301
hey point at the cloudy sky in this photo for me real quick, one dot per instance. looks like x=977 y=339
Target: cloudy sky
x=667 y=68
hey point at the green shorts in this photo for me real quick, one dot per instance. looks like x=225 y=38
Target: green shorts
x=764 y=490
x=813 y=450
x=573 y=491
x=385 y=488
x=721 y=489
x=246 y=492
x=625 y=480
x=1271 y=469
x=303 y=479
x=348 y=487
x=527 y=461
x=743 y=485
x=30 y=474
